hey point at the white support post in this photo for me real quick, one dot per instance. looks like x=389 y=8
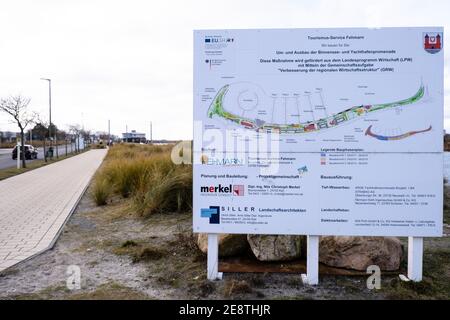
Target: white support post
x=415 y=258
x=312 y=261
x=213 y=257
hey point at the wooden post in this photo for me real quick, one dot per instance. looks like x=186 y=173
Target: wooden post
x=213 y=257
x=312 y=261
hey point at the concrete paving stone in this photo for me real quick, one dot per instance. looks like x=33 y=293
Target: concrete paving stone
x=52 y=191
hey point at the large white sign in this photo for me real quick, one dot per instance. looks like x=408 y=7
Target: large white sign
x=319 y=131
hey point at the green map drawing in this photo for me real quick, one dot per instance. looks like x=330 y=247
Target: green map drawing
x=217 y=109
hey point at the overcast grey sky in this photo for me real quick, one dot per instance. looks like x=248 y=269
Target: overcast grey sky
x=131 y=61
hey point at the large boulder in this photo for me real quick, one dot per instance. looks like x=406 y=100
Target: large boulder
x=360 y=252
x=229 y=244
x=275 y=248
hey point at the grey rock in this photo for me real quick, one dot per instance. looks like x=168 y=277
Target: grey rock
x=275 y=247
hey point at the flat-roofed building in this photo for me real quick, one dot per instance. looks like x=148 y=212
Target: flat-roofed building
x=134 y=137
x=8 y=136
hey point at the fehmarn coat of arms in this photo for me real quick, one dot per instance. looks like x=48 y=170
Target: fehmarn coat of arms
x=432 y=42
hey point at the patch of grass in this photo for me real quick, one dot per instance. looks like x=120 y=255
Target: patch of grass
x=93 y=263
x=51 y=292
x=351 y=285
x=146 y=175
x=149 y=253
x=139 y=252
x=206 y=288
x=173 y=193
x=179 y=269
x=129 y=243
x=447 y=216
x=128 y=247
x=236 y=287
x=170 y=278
x=123 y=175
x=98 y=146
x=185 y=241
x=299 y=297
x=435 y=283
x=91 y=244
x=110 y=291
x=257 y=280
x=446 y=202
x=101 y=191
x=295 y=282
x=131 y=151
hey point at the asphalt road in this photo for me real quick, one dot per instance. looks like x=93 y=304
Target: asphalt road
x=6 y=160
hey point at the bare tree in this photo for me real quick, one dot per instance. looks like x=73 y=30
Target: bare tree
x=17 y=108
x=76 y=130
x=86 y=136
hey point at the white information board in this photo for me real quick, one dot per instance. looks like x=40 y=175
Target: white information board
x=319 y=131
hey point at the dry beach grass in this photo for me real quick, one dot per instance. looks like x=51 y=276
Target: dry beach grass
x=147 y=176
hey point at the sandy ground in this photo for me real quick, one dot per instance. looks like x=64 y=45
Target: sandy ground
x=122 y=256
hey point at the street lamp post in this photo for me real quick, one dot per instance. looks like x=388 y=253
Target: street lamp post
x=50 y=113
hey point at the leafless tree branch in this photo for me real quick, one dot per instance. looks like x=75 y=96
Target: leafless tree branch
x=17 y=108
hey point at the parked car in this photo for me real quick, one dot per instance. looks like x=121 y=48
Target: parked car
x=30 y=152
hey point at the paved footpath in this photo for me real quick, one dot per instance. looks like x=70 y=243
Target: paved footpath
x=35 y=205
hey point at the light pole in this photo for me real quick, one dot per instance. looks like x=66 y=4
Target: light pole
x=109 y=132
x=151 y=133
x=49 y=108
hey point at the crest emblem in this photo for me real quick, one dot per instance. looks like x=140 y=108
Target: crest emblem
x=432 y=42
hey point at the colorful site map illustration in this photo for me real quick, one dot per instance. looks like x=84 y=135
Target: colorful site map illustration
x=246 y=100
x=396 y=137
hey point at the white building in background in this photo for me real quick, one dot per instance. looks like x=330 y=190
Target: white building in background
x=8 y=136
x=81 y=144
x=134 y=136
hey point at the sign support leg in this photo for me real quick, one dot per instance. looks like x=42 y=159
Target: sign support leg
x=415 y=258
x=213 y=257
x=312 y=261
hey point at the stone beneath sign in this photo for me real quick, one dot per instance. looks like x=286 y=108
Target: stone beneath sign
x=229 y=244
x=360 y=252
x=275 y=248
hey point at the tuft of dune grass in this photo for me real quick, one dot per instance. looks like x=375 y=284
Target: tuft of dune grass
x=171 y=192
x=146 y=175
x=101 y=191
